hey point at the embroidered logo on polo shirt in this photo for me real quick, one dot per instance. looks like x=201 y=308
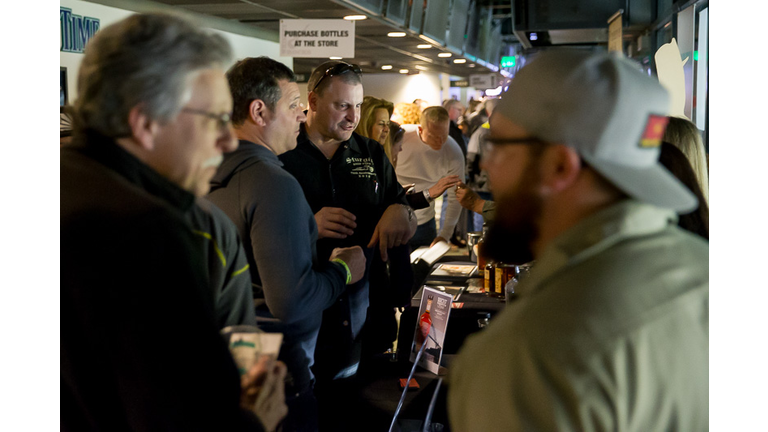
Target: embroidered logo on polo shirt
x=361 y=167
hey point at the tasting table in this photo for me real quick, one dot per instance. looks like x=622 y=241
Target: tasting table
x=379 y=377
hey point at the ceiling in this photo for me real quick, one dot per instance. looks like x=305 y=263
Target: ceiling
x=373 y=48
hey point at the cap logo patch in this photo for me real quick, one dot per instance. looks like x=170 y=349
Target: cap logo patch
x=654 y=131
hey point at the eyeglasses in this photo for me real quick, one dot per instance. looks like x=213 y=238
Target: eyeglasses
x=223 y=120
x=489 y=144
x=338 y=69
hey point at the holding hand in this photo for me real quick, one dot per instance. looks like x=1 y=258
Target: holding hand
x=354 y=258
x=443 y=184
x=263 y=392
x=469 y=199
x=396 y=226
x=335 y=222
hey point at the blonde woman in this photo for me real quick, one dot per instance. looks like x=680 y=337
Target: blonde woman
x=374 y=119
x=683 y=134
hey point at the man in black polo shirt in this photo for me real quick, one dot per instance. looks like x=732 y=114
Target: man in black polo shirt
x=352 y=189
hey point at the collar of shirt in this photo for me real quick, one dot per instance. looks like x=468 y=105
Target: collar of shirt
x=304 y=142
x=594 y=234
x=107 y=152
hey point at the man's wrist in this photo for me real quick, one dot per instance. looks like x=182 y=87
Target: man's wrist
x=427 y=195
x=411 y=213
x=346 y=268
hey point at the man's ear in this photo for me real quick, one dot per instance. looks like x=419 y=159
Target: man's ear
x=561 y=167
x=257 y=111
x=143 y=129
x=312 y=101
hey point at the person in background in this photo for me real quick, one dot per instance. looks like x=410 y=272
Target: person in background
x=395 y=143
x=270 y=212
x=416 y=199
x=675 y=161
x=477 y=117
x=610 y=330
x=140 y=347
x=352 y=189
x=477 y=178
x=374 y=119
x=455 y=111
x=406 y=113
x=228 y=275
x=683 y=134
x=429 y=156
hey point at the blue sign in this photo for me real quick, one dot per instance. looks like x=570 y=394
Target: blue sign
x=76 y=30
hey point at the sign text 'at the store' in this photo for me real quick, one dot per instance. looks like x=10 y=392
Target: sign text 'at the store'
x=317 y=38
x=76 y=30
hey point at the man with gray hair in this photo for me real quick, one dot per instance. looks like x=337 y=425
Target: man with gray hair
x=610 y=330
x=151 y=123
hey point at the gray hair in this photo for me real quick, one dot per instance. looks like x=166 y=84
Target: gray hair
x=144 y=59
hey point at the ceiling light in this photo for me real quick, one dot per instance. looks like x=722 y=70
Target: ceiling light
x=423 y=46
x=459 y=60
x=335 y=58
x=444 y=55
x=471 y=65
x=396 y=34
x=430 y=40
x=422 y=68
x=386 y=67
x=355 y=17
x=403 y=71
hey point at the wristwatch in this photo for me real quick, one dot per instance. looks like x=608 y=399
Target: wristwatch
x=411 y=214
x=427 y=196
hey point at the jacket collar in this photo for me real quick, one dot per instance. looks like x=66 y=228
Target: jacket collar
x=107 y=152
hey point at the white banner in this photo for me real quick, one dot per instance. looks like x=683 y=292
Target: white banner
x=317 y=38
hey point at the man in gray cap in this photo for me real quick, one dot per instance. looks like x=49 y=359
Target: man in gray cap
x=610 y=330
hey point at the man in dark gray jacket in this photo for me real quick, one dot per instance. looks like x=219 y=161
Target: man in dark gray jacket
x=277 y=226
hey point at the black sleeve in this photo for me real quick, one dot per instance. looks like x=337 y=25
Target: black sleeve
x=417 y=200
x=138 y=338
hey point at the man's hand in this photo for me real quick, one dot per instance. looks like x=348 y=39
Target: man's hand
x=469 y=199
x=393 y=229
x=334 y=222
x=355 y=260
x=443 y=184
x=263 y=392
x=437 y=240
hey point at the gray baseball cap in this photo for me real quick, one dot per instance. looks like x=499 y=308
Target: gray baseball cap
x=605 y=108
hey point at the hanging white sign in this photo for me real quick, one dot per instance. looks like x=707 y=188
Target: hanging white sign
x=317 y=38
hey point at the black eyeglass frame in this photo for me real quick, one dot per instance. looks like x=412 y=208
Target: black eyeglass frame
x=338 y=69
x=524 y=140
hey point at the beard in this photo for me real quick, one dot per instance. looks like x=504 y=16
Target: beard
x=514 y=229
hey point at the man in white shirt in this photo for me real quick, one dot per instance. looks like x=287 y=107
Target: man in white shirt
x=428 y=155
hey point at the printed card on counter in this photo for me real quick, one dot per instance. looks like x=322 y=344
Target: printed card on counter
x=434 y=310
x=453 y=270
